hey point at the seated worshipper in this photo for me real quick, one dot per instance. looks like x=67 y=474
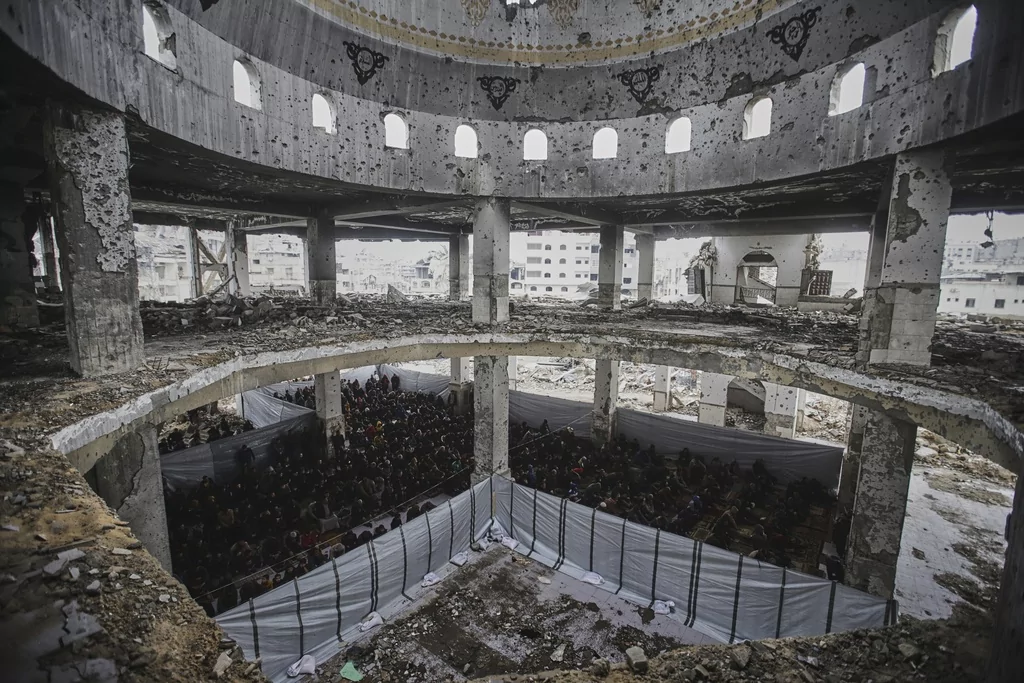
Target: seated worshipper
x=396 y=521
x=724 y=529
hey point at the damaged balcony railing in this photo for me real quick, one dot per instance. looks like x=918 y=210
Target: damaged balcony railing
x=754 y=293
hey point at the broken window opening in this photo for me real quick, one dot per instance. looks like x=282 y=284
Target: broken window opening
x=535 y=145
x=757 y=118
x=323 y=114
x=677 y=136
x=606 y=144
x=396 y=133
x=246 y=84
x=466 y=145
x=756 y=279
x=158 y=41
x=847 y=91
x=954 y=43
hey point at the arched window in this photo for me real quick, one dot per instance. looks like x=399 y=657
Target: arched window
x=561 y=261
x=561 y=276
x=533 y=288
x=247 y=83
x=565 y=289
x=547 y=274
x=323 y=113
x=548 y=289
x=547 y=261
x=158 y=41
x=677 y=136
x=847 y=90
x=396 y=133
x=465 y=142
x=547 y=247
x=535 y=145
x=757 y=118
x=606 y=144
x=562 y=247
x=954 y=43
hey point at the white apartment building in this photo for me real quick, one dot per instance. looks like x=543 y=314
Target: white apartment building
x=566 y=265
x=277 y=263
x=985 y=293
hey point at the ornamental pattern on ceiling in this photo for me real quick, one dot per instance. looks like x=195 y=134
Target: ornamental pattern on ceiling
x=563 y=11
x=476 y=10
x=792 y=35
x=647 y=6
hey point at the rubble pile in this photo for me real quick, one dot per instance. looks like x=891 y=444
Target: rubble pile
x=224 y=311
x=945 y=651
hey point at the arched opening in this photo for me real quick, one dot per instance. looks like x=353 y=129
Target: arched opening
x=535 y=145
x=246 y=84
x=547 y=247
x=158 y=41
x=561 y=261
x=562 y=247
x=561 y=276
x=847 y=90
x=954 y=43
x=323 y=113
x=744 y=404
x=396 y=133
x=677 y=136
x=466 y=146
x=606 y=144
x=756 y=278
x=547 y=262
x=757 y=118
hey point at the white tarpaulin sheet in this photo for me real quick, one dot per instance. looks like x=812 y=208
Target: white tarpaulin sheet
x=414 y=380
x=533 y=409
x=263 y=410
x=218 y=459
x=316 y=613
x=787 y=459
x=719 y=593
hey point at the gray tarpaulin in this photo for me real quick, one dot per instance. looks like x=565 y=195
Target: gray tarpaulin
x=414 y=380
x=316 y=613
x=719 y=593
x=186 y=468
x=786 y=459
x=263 y=410
x=533 y=409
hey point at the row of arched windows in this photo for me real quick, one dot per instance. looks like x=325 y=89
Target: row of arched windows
x=953 y=46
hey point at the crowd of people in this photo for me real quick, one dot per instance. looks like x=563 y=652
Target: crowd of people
x=202 y=425
x=235 y=539
x=686 y=496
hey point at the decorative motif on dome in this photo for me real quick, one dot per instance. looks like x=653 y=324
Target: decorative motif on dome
x=562 y=11
x=498 y=88
x=792 y=35
x=364 y=60
x=476 y=10
x=647 y=6
x=640 y=81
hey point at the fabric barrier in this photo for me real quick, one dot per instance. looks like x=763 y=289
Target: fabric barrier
x=262 y=409
x=726 y=596
x=787 y=459
x=414 y=380
x=217 y=460
x=317 y=612
x=533 y=409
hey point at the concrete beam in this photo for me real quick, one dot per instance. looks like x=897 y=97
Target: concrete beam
x=392 y=206
x=170 y=199
x=577 y=213
x=763 y=226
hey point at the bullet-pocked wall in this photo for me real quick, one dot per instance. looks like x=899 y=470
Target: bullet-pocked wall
x=905 y=105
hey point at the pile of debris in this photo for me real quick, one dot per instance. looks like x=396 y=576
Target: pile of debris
x=226 y=311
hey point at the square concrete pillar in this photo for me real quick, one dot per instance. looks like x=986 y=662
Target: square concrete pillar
x=714 y=397
x=905 y=260
x=128 y=480
x=880 y=503
x=609 y=277
x=51 y=272
x=513 y=373
x=801 y=408
x=490 y=261
x=330 y=406
x=17 y=288
x=461 y=386
x=195 y=267
x=662 y=388
x=850 y=472
x=458 y=268
x=606 y=397
x=780 y=403
x=87 y=162
x=238 y=259
x=490 y=416
x=321 y=259
x=645 y=267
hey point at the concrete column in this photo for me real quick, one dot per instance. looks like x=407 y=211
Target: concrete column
x=17 y=289
x=490 y=410
x=851 y=459
x=801 y=408
x=490 y=261
x=460 y=386
x=879 y=507
x=513 y=373
x=51 y=276
x=606 y=397
x=321 y=259
x=662 y=388
x=458 y=268
x=128 y=480
x=609 y=278
x=780 y=410
x=645 y=274
x=902 y=290
x=87 y=160
x=714 y=397
x=238 y=259
x=195 y=278
x=329 y=405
